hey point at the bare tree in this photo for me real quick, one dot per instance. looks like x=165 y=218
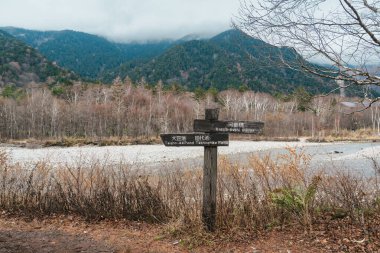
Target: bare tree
x=343 y=33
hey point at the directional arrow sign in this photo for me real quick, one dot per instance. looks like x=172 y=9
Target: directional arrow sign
x=195 y=139
x=238 y=127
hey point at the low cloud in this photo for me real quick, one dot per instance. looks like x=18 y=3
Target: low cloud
x=122 y=20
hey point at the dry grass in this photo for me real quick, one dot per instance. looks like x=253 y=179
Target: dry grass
x=80 y=141
x=94 y=193
x=359 y=135
x=267 y=194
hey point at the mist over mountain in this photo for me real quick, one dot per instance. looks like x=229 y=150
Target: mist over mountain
x=230 y=59
x=86 y=54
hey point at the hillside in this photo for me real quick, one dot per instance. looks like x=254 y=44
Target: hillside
x=21 y=64
x=230 y=59
x=86 y=54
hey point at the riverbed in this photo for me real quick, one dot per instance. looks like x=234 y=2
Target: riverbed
x=356 y=157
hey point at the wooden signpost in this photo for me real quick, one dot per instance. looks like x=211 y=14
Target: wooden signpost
x=195 y=139
x=238 y=127
x=215 y=134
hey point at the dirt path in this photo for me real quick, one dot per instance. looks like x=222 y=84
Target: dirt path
x=67 y=234
x=47 y=241
x=72 y=235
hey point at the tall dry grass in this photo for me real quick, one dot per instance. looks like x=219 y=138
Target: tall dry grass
x=95 y=192
x=265 y=193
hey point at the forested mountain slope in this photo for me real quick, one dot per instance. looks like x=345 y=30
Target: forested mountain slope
x=21 y=64
x=230 y=59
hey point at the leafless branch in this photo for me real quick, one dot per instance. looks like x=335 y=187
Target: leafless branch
x=342 y=33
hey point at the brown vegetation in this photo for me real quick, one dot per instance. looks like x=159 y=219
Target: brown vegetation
x=125 y=111
x=269 y=195
x=358 y=135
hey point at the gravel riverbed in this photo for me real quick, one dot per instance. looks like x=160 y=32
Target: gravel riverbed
x=354 y=155
x=134 y=154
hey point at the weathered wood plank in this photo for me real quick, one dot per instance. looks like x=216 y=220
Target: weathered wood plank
x=209 y=187
x=195 y=139
x=239 y=127
x=210 y=178
x=211 y=114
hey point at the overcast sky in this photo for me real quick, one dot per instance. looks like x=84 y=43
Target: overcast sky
x=122 y=20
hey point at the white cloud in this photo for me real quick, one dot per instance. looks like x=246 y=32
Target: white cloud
x=121 y=19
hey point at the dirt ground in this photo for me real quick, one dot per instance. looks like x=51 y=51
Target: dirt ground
x=69 y=234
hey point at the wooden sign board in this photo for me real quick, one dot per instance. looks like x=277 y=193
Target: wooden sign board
x=237 y=127
x=195 y=139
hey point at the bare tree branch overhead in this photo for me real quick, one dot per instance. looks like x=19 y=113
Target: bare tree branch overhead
x=344 y=34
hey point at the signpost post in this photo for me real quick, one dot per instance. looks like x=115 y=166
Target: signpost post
x=215 y=133
x=210 y=172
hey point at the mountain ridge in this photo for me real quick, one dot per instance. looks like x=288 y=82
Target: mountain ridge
x=21 y=64
x=230 y=59
x=86 y=54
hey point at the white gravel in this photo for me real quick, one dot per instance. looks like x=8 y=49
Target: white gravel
x=367 y=153
x=136 y=154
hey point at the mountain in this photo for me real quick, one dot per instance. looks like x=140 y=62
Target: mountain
x=86 y=54
x=193 y=36
x=230 y=59
x=21 y=64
